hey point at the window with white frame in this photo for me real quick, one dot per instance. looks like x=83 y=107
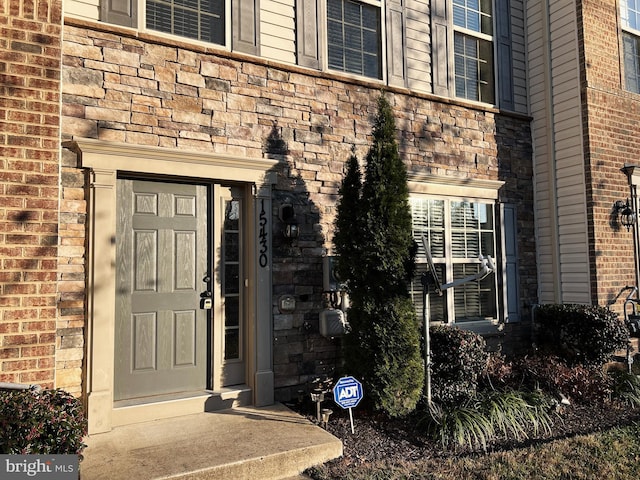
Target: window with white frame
x=630 y=16
x=457 y=231
x=202 y=20
x=473 y=50
x=354 y=42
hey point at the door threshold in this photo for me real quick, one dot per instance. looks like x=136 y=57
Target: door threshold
x=209 y=401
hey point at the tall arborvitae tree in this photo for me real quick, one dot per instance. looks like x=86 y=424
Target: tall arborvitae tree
x=348 y=216
x=383 y=346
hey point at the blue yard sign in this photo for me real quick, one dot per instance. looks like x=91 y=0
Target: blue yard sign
x=347 y=393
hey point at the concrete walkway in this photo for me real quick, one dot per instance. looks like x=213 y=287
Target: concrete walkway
x=242 y=443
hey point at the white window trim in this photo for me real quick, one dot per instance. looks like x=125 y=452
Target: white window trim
x=625 y=29
x=142 y=27
x=483 y=36
x=322 y=28
x=473 y=190
x=624 y=18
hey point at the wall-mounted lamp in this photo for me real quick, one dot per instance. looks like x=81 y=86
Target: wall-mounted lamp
x=288 y=217
x=625 y=214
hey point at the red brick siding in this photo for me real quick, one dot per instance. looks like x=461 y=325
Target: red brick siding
x=611 y=125
x=30 y=52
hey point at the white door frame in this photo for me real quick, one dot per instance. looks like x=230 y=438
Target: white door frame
x=104 y=160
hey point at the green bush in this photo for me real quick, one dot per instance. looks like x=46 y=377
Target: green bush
x=383 y=351
x=45 y=422
x=458 y=359
x=579 y=334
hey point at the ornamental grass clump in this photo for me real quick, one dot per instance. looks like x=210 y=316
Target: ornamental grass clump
x=626 y=387
x=490 y=416
x=41 y=422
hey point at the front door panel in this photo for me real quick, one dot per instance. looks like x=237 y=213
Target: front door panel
x=162 y=256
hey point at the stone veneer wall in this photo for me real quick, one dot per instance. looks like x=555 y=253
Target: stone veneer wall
x=146 y=90
x=30 y=53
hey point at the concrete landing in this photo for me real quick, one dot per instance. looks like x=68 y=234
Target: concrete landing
x=242 y=443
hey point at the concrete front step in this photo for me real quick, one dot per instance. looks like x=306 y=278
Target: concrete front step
x=244 y=443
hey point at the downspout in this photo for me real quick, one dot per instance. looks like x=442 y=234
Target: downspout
x=19 y=386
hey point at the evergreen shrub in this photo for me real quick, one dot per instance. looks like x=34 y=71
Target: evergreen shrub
x=373 y=239
x=579 y=334
x=45 y=422
x=458 y=359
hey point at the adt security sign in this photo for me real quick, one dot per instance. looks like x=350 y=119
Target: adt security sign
x=347 y=392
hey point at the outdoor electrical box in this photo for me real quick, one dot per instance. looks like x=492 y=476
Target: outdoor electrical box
x=330 y=282
x=332 y=323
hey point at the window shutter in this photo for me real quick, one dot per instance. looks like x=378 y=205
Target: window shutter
x=439 y=47
x=119 y=12
x=307 y=33
x=245 y=26
x=505 y=61
x=510 y=263
x=395 y=43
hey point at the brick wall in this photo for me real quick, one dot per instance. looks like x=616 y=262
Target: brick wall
x=611 y=118
x=147 y=91
x=30 y=52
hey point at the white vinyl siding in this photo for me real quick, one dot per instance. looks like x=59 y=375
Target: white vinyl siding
x=277 y=30
x=561 y=217
x=418 y=49
x=84 y=9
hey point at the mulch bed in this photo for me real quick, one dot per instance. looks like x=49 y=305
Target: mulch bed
x=379 y=438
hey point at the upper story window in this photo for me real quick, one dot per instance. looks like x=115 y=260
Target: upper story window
x=630 y=16
x=354 y=37
x=473 y=50
x=230 y=23
x=198 y=19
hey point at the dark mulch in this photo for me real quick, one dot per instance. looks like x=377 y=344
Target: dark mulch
x=395 y=441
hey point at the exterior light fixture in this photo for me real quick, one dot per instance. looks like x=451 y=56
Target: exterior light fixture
x=288 y=217
x=625 y=213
